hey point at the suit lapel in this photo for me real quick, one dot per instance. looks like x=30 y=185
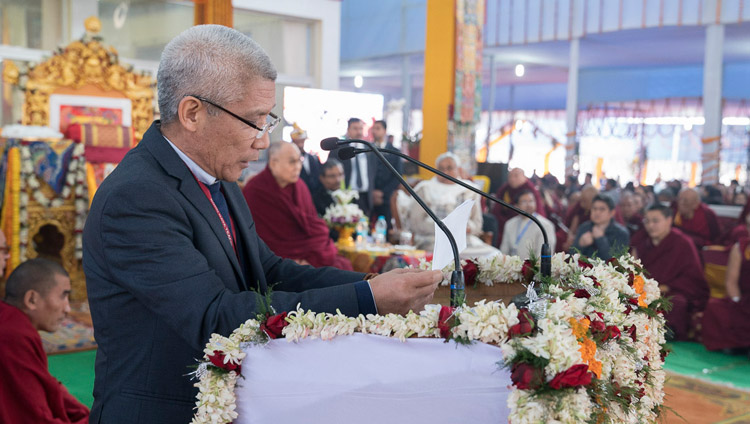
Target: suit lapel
x=243 y=222
x=188 y=186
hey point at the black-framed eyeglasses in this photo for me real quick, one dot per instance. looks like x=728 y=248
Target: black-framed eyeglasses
x=272 y=121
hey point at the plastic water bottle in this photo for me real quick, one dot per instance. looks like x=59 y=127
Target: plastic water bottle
x=362 y=231
x=381 y=229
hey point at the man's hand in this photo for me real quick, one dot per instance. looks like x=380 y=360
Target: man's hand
x=377 y=197
x=587 y=239
x=597 y=231
x=402 y=290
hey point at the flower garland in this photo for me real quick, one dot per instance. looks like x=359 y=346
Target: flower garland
x=11 y=215
x=75 y=177
x=589 y=347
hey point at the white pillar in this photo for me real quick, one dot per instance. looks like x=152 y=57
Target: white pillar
x=712 y=81
x=406 y=92
x=571 y=107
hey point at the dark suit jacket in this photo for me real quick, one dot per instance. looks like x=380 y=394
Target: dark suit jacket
x=386 y=182
x=312 y=178
x=162 y=276
x=365 y=202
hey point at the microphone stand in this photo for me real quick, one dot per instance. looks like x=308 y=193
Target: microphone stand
x=546 y=255
x=457 y=276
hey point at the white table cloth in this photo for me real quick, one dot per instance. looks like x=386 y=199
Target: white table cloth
x=372 y=379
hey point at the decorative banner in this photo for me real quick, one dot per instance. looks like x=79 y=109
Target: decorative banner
x=467 y=103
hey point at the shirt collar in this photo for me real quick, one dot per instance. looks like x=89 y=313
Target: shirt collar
x=199 y=173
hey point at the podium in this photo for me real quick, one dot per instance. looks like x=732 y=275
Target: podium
x=366 y=378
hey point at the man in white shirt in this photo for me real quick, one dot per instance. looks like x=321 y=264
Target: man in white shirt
x=521 y=236
x=359 y=171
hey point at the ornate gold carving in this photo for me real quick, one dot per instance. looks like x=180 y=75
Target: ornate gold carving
x=92 y=24
x=83 y=62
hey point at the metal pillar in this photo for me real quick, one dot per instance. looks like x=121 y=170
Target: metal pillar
x=571 y=108
x=712 y=81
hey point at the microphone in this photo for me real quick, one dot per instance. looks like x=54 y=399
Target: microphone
x=546 y=255
x=457 y=277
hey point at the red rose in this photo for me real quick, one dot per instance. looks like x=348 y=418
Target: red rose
x=583 y=264
x=445 y=328
x=274 y=324
x=575 y=376
x=631 y=279
x=526 y=377
x=628 y=309
x=631 y=332
x=527 y=270
x=615 y=263
x=582 y=294
x=597 y=326
x=633 y=301
x=470 y=270
x=664 y=354
x=612 y=332
x=525 y=325
x=218 y=360
x=595 y=281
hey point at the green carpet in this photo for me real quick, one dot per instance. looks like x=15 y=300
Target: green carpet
x=693 y=360
x=76 y=372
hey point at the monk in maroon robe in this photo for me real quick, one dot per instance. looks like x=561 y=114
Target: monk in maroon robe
x=672 y=260
x=726 y=322
x=36 y=298
x=284 y=213
x=632 y=217
x=517 y=183
x=578 y=213
x=696 y=219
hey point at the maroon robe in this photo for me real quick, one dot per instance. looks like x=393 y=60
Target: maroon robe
x=507 y=194
x=675 y=263
x=28 y=392
x=286 y=220
x=703 y=227
x=726 y=324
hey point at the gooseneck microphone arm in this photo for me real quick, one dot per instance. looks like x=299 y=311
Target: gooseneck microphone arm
x=457 y=277
x=546 y=255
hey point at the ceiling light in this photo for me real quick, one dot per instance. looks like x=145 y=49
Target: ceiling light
x=520 y=70
x=358 y=81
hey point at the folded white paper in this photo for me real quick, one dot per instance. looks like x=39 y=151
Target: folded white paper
x=456 y=221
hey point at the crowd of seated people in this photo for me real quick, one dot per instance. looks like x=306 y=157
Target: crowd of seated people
x=668 y=226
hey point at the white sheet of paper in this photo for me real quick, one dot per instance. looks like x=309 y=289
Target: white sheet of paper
x=456 y=221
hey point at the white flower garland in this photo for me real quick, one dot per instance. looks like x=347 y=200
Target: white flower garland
x=75 y=177
x=632 y=358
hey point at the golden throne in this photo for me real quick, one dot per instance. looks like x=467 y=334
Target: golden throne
x=82 y=83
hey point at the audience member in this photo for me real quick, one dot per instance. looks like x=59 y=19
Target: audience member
x=601 y=236
x=612 y=189
x=284 y=213
x=331 y=175
x=444 y=196
x=310 y=163
x=726 y=322
x=359 y=171
x=578 y=213
x=36 y=299
x=385 y=182
x=517 y=182
x=521 y=236
x=672 y=259
x=711 y=195
x=631 y=215
x=696 y=219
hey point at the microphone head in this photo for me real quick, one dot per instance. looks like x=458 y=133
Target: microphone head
x=329 y=143
x=345 y=153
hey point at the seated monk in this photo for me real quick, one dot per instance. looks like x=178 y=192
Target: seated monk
x=36 y=298
x=726 y=322
x=517 y=182
x=631 y=215
x=284 y=213
x=696 y=219
x=672 y=260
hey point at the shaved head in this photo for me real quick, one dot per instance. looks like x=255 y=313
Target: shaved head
x=688 y=201
x=35 y=274
x=516 y=177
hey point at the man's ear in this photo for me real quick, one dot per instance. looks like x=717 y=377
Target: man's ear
x=31 y=300
x=190 y=112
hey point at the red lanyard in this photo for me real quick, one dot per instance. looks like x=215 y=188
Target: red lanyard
x=221 y=218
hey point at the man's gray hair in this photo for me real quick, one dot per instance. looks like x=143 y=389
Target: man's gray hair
x=446 y=155
x=275 y=148
x=212 y=61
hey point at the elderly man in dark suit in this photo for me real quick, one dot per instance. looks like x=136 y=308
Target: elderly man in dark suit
x=170 y=248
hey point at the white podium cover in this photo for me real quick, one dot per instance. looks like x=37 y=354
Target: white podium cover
x=366 y=378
